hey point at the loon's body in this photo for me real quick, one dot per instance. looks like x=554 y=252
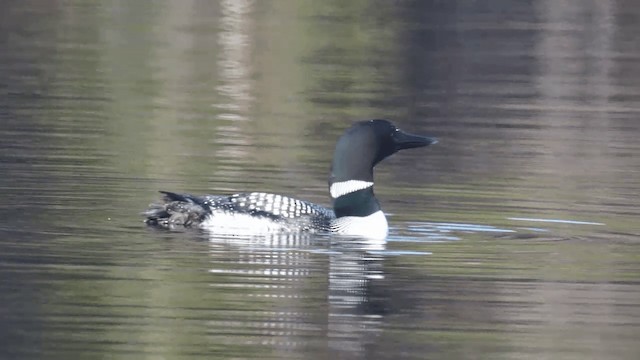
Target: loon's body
x=356 y=211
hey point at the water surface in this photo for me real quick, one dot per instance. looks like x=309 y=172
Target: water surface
x=515 y=237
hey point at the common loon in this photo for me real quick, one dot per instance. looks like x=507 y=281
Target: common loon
x=356 y=211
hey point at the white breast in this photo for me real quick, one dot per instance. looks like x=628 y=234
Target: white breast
x=373 y=226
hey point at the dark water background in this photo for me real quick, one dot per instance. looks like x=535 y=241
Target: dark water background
x=516 y=237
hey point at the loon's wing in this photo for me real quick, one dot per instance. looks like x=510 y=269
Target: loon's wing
x=188 y=210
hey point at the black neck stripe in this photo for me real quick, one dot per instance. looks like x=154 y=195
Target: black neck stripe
x=358 y=203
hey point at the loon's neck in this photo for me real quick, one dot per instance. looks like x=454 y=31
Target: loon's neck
x=354 y=198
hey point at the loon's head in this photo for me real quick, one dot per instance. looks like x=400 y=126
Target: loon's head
x=364 y=145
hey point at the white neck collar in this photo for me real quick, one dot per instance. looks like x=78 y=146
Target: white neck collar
x=338 y=189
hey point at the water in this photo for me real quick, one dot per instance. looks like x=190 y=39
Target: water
x=515 y=237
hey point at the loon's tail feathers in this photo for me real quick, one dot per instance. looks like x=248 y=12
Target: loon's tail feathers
x=177 y=210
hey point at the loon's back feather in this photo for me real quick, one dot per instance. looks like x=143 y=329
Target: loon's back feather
x=189 y=210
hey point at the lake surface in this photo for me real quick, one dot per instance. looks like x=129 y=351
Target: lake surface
x=517 y=236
